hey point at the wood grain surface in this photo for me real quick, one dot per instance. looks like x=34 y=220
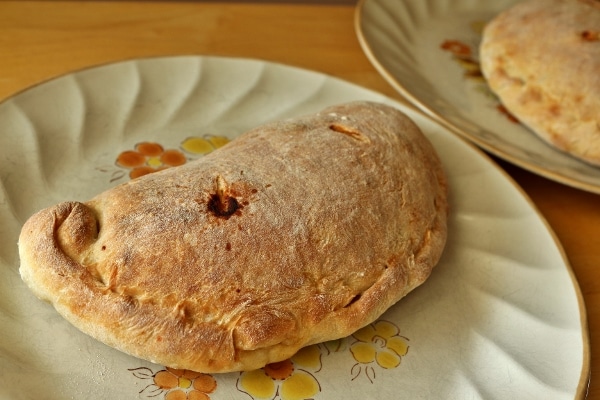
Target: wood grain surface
x=45 y=39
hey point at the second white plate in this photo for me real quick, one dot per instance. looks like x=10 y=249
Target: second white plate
x=427 y=50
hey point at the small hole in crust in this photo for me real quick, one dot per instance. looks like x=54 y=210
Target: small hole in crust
x=222 y=203
x=223 y=206
x=350 y=131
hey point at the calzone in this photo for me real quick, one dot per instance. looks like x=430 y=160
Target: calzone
x=297 y=232
x=542 y=59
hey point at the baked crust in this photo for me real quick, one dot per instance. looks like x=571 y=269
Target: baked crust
x=297 y=232
x=542 y=59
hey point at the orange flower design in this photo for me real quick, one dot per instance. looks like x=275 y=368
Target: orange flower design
x=458 y=48
x=463 y=54
x=468 y=59
x=177 y=384
x=148 y=157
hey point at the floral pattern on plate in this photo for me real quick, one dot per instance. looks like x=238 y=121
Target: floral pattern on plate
x=297 y=378
x=148 y=157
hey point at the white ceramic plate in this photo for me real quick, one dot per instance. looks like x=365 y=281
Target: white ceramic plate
x=501 y=316
x=415 y=46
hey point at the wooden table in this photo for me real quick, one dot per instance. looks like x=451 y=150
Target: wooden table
x=41 y=40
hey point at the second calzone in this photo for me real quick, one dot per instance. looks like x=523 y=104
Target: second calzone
x=297 y=232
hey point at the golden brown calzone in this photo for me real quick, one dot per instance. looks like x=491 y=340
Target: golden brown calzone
x=542 y=59
x=297 y=232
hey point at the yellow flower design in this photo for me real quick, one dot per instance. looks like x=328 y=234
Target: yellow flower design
x=177 y=384
x=286 y=380
x=203 y=145
x=334 y=346
x=378 y=343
